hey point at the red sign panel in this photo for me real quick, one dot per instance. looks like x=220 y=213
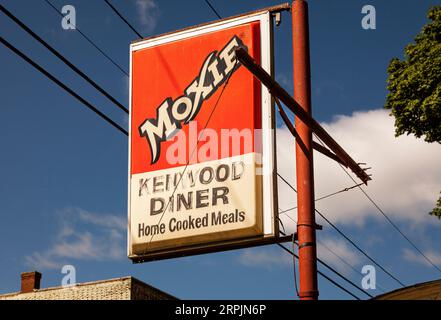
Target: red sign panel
x=164 y=73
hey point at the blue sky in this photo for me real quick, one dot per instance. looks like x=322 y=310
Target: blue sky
x=63 y=170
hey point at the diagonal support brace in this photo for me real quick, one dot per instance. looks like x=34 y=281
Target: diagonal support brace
x=280 y=93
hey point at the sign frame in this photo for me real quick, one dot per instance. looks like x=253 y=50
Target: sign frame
x=269 y=179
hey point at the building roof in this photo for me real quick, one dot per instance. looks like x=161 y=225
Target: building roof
x=421 y=291
x=125 y=288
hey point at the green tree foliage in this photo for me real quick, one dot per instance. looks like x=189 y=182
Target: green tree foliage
x=437 y=210
x=414 y=84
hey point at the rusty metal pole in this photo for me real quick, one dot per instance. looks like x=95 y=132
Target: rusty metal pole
x=304 y=163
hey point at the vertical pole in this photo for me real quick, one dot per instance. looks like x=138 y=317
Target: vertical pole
x=304 y=163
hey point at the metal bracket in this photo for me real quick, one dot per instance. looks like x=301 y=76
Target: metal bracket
x=209 y=248
x=306 y=244
x=277 y=18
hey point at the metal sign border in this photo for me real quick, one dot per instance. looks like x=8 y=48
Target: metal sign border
x=269 y=181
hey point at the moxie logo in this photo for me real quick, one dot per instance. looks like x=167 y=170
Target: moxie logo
x=171 y=114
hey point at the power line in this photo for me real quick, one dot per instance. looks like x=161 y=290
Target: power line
x=322 y=274
x=123 y=19
x=343 y=277
x=345 y=262
x=337 y=273
x=62 y=58
x=322 y=198
x=337 y=192
x=388 y=218
x=334 y=253
x=395 y=226
x=91 y=42
x=294 y=262
x=62 y=85
x=359 y=249
x=347 y=238
x=213 y=9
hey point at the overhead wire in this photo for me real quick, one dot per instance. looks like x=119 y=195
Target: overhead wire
x=394 y=225
x=335 y=283
x=118 y=66
x=28 y=30
x=348 y=239
x=337 y=273
x=294 y=264
x=346 y=263
x=333 y=253
x=323 y=197
x=123 y=19
x=213 y=9
x=62 y=85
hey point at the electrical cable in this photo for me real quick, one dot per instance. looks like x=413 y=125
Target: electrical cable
x=322 y=274
x=336 y=272
x=123 y=19
x=342 y=234
x=294 y=262
x=213 y=9
x=334 y=253
x=348 y=239
x=387 y=217
x=343 y=277
x=396 y=227
x=62 y=58
x=346 y=263
x=90 y=41
x=324 y=197
x=62 y=85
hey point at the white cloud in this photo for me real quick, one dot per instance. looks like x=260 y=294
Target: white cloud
x=105 y=241
x=40 y=261
x=147 y=14
x=406 y=171
x=269 y=258
x=284 y=81
x=333 y=251
x=266 y=258
x=102 y=220
x=411 y=255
